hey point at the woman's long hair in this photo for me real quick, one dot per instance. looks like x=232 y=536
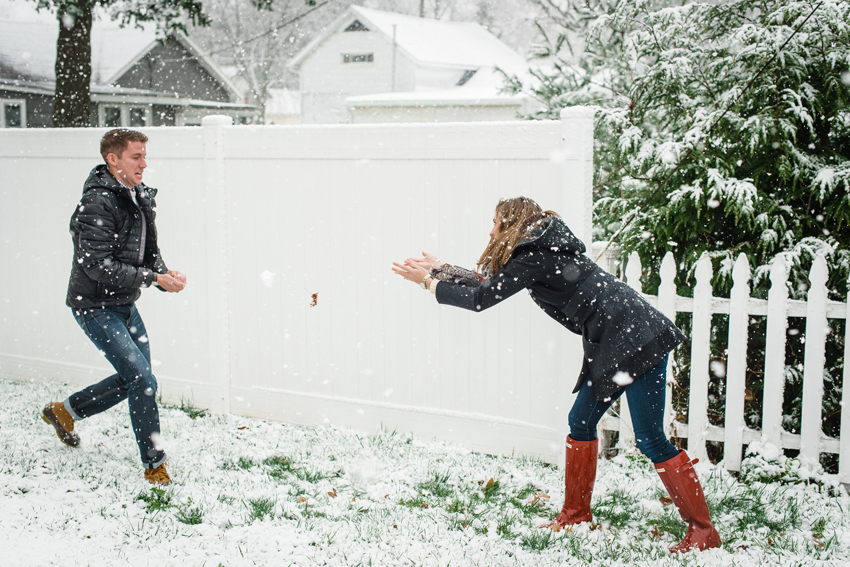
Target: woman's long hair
x=517 y=218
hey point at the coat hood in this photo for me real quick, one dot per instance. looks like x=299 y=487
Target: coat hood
x=553 y=234
x=101 y=178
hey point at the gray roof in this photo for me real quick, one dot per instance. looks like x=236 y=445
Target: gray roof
x=28 y=49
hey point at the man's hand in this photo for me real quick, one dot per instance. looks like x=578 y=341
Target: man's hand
x=172 y=282
x=177 y=276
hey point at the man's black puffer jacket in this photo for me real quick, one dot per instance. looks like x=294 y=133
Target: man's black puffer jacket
x=109 y=267
x=621 y=331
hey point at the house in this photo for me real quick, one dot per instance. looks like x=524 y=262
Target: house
x=283 y=107
x=375 y=66
x=136 y=79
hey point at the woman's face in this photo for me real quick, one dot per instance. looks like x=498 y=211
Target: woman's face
x=494 y=232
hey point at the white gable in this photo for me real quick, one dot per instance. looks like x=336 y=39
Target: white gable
x=425 y=41
x=437 y=42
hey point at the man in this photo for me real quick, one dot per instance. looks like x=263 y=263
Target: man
x=115 y=255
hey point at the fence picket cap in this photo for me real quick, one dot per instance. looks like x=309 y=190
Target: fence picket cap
x=736 y=364
x=700 y=344
x=774 y=366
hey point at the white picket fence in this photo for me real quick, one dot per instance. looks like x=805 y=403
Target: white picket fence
x=740 y=306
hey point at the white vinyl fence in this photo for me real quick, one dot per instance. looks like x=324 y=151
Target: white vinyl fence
x=740 y=306
x=287 y=234
x=265 y=219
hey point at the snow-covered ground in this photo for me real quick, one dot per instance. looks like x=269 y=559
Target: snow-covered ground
x=249 y=492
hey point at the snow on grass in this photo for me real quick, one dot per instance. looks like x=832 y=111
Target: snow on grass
x=249 y=492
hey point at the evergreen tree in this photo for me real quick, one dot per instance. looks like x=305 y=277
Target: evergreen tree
x=725 y=129
x=722 y=129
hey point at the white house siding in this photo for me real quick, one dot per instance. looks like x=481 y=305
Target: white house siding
x=326 y=81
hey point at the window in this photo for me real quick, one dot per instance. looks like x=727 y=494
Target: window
x=358 y=57
x=112 y=116
x=137 y=117
x=13 y=114
x=356 y=26
x=125 y=116
x=468 y=74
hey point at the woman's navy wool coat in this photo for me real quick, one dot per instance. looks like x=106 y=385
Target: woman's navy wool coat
x=621 y=332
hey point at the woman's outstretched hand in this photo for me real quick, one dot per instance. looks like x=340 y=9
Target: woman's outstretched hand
x=428 y=260
x=411 y=270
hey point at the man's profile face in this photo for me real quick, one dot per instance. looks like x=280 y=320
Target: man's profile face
x=129 y=167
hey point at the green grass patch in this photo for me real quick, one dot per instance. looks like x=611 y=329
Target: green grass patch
x=618 y=509
x=438 y=485
x=191 y=516
x=260 y=508
x=157 y=500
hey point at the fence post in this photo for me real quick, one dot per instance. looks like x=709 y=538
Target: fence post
x=577 y=203
x=667 y=306
x=700 y=349
x=217 y=260
x=774 y=360
x=815 y=359
x=736 y=364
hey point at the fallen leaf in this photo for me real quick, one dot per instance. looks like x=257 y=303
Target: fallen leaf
x=557 y=527
x=665 y=500
x=241 y=427
x=332 y=493
x=655 y=532
x=302 y=499
x=315 y=298
x=488 y=485
x=748 y=395
x=743 y=547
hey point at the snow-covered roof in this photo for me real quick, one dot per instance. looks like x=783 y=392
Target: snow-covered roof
x=426 y=41
x=29 y=48
x=28 y=51
x=447 y=97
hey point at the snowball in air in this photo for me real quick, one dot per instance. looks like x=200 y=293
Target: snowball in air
x=268 y=278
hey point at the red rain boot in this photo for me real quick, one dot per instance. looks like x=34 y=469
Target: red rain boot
x=682 y=484
x=579 y=476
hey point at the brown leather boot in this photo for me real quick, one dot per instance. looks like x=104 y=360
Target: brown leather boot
x=56 y=415
x=682 y=484
x=158 y=475
x=579 y=477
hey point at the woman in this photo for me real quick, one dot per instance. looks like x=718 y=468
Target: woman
x=626 y=344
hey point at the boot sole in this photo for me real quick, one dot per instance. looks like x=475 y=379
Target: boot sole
x=66 y=437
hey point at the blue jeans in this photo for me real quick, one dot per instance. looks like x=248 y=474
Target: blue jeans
x=119 y=333
x=646 y=403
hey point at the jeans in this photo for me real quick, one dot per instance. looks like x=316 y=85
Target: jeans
x=119 y=333
x=646 y=402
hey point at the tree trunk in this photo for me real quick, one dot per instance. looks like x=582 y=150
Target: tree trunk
x=72 y=100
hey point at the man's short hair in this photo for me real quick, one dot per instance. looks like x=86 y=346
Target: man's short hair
x=116 y=141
